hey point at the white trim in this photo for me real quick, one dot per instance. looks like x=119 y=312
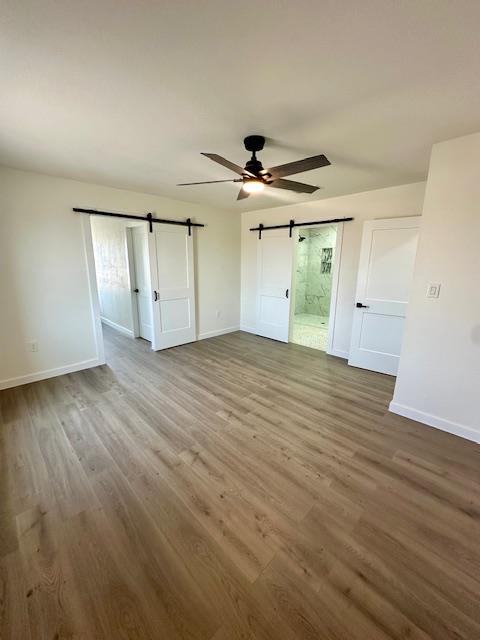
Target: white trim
x=93 y=289
x=293 y=282
x=217 y=332
x=435 y=421
x=117 y=327
x=338 y=353
x=50 y=373
x=244 y=327
x=332 y=310
x=132 y=283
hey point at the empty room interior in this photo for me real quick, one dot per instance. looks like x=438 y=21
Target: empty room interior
x=240 y=325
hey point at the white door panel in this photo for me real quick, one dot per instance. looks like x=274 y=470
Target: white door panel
x=381 y=333
x=175 y=314
x=274 y=277
x=385 y=274
x=171 y=254
x=142 y=281
x=172 y=259
x=390 y=265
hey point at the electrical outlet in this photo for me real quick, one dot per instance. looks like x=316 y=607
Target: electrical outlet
x=433 y=290
x=32 y=346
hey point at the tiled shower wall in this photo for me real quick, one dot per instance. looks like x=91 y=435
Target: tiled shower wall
x=314 y=288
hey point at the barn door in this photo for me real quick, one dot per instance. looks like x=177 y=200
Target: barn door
x=274 y=278
x=173 y=285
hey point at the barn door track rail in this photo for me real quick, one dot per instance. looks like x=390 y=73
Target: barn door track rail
x=261 y=228
x=148 y=218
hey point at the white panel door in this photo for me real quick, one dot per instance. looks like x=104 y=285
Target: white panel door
x=142 y=288
x=274 y=278
x=385 y=274
x=173 y=283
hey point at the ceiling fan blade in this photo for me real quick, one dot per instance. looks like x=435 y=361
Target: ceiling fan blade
x=187 y=184
x=242 y=194
x=299 y=166
x=226 y=163
x=291 y=185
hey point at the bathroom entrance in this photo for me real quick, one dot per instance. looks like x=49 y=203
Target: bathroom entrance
x=313 y=283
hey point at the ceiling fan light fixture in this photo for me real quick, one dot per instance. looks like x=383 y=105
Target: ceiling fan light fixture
x=255 y=178
x=253 y=186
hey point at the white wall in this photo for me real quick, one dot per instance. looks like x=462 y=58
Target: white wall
x=405 y=200
x=112 y=269
x=43 y=272
x=439 y=376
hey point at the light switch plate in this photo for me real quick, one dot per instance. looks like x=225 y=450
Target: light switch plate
x=433 y=290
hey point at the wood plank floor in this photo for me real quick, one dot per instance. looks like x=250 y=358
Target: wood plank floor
x=234 y=488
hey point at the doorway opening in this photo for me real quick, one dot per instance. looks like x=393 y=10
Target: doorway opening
x=313 y=284
x=122 y=272
x=142 y=283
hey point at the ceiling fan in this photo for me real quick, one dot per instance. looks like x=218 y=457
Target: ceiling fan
x=255 y=178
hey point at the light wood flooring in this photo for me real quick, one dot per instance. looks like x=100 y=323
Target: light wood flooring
x=234 y=488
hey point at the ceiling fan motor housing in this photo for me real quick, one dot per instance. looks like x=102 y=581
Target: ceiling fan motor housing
x=255 y=166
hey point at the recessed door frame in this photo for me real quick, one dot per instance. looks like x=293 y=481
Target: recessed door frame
x=332 y=312
x=335 y=279
x=132 y=281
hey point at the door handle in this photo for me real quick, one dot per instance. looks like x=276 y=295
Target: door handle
x=359 y=305
x=136 y=290
x=286 y=293
x=155 y=296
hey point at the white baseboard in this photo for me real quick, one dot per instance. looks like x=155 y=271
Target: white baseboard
x=338 y=353
x=117 y=327
x=217 y=332
x=243 y=327
x=435 y=421
x=50 y=373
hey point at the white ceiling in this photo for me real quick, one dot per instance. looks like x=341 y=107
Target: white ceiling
x=129 y=93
